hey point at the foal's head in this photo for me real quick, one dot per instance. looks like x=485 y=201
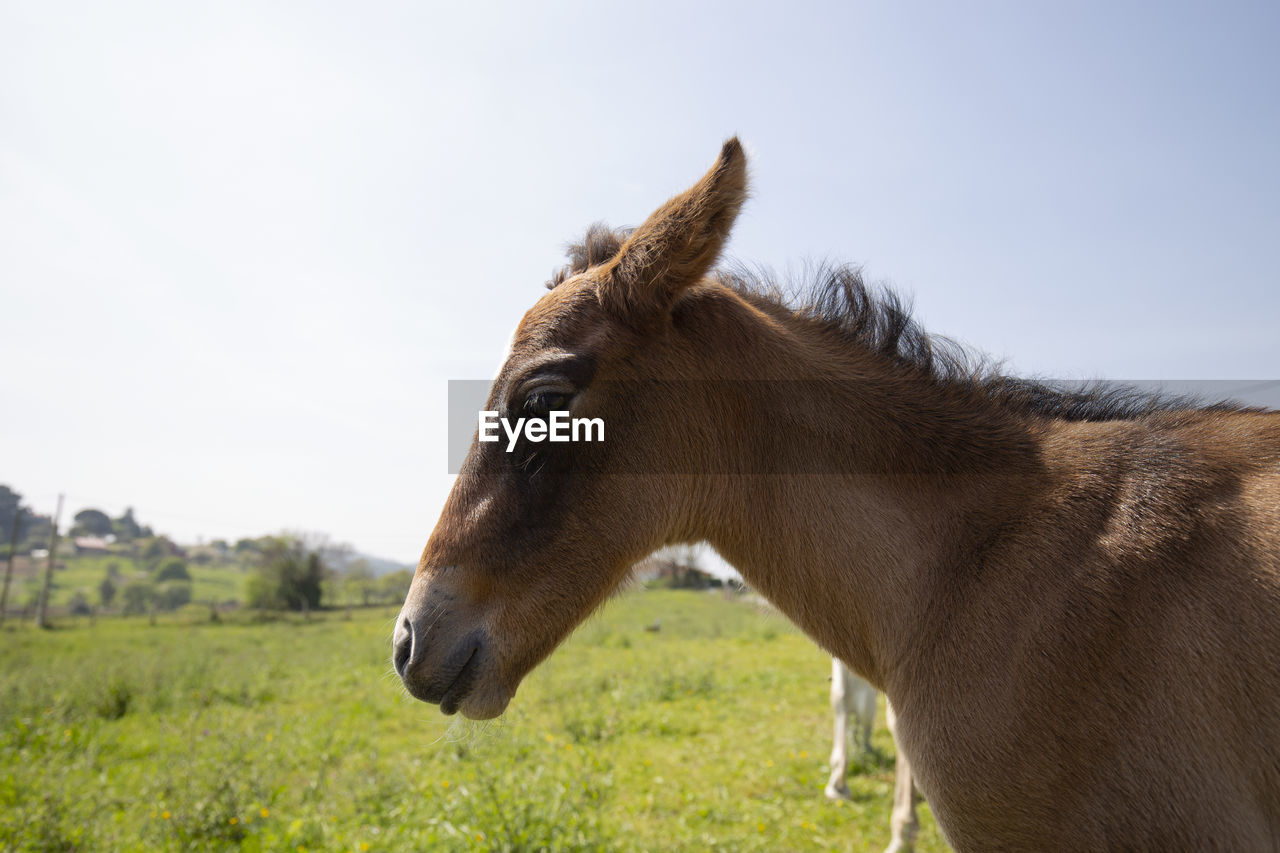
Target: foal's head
x=531 y=540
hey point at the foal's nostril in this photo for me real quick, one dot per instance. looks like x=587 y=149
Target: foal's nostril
x=403 y=646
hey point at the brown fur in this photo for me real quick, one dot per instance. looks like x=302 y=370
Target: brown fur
x=1072 y=601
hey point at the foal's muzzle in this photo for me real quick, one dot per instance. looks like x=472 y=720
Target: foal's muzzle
x=448 y=660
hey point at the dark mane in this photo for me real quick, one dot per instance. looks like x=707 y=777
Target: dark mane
x=599 y=245
x=835 y=301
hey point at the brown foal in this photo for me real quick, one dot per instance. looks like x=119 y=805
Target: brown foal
x=1071 y=599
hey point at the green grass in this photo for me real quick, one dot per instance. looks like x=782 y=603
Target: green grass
x=712 y=732
x=84 y=573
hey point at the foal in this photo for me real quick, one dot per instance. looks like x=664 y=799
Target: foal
x=1071 y=600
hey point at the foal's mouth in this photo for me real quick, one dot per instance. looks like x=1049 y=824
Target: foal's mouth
x=465 y=679
x=461 y=686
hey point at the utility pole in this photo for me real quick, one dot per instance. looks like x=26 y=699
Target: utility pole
x=8 y=572
x=42 y=613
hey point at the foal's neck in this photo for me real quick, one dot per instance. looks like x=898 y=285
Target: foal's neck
x=896 y=480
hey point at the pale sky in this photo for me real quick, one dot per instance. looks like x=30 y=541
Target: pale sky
x=245 y=245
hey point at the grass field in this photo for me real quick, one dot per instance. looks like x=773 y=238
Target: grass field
x=712 y=733
x=83 y=574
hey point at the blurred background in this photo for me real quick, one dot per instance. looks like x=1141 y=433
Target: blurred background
x=245 y=246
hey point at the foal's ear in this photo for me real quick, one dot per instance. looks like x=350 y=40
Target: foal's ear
x=678 y=243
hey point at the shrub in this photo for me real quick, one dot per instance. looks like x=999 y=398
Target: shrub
x=138 y=596
x=172 y=569
x=156 y=548
x=262 y=592
x=107 y=591
x=173 y=594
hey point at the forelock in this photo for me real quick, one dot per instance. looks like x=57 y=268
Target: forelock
x=598 y=245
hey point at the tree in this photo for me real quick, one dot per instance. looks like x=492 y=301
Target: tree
x=361 y=581
x=172 y=569
x=156 y=547
x=12 y=514
x=247 y=546
x=138 y=597
x=92 y=522
x=35 y=531
x=107 y=590
x=263 y=592
x=10 y=507
x=289 y=575
x=395 y=585
x=126 y=528
x=173 y=594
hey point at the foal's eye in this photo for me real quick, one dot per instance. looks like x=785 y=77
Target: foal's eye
x=540 y=404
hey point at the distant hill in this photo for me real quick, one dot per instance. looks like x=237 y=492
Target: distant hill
x=378 y=565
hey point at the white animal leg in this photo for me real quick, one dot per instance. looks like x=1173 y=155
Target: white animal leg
x=837 y=788
x=866 y=712
x=904 y=822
